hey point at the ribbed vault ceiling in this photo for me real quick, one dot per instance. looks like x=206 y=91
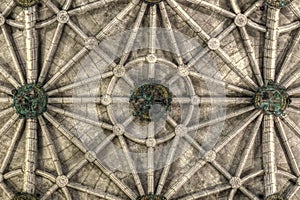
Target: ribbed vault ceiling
x=69 y=73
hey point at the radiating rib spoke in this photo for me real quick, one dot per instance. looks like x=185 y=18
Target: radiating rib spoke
x=128 y=80
x=293 y=110
x=213 y=8
x=183 y=179
x=185 y=17
x=294 y=91
x=6 y=111
x=220 y=119
x=7 y=190
x=226 y=31
x=74 y=100
x=13 y=53
x=251 y=55
x=80 y=118
x=252 y=175
x=116 y=100
x=243 y=124
x=7 y=125
x=130 y=43
x=235 y=6
x=167 y=24
x=5 y=89
x=292 y=191
x=65 y=68
x=77 y=30
x=49 y=192
x=93 y=192
x=232 y=194
x=51 y=52
x=221 y=169
x=207 y=192
x=292 y=125
x=67 y=193
x=225 y=57
x=289 y=27
x=12 y=146
x=253 y=7
x=131 y=165
x=293 y=76
x=295 y=102
x=88 y=7
x=150 y=158
x=128 y=191
x=31 y=45
x=288 y=56
x=287 y=148
x=167 y=165
x=271 y=40
x=248 y=193
x=268 y=150
x=107 y=29
x=256 y=26
x=214 y=99
x=9 y=77
x=80 y=83
x=71 y=137
x=51 y=6
x=67 y=4
x=12 y=4
x=294 y=8
x=29 y=184
x=249 y=146
x=152 y=40
x=51 y=147
x=222 y=83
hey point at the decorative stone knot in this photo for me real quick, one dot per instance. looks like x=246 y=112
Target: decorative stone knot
x=90 y=156
x=195 y=100
x=151 y=58
x=91 y=43
x=151 y=197
x=27 y=168
x=181 y=130
x=150 y=142
x=106 y=100
x=26 y=3
x=62 y=181
x=30 y=100
x=272 y=99
x=276 y=197
x=214 y=44
x=24 y=196
x=152 y=2
x=235 y=182
x=2 y=20
x=210 y=156
x=183 y=71
x=240 y=20
x=118 y=129
x=63 y=17
x=119 y=71
x=150 y=102
x=298 y=181
x=278 y=3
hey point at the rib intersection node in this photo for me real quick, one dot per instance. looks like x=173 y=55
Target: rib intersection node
x=272 y=99
x=30 y=100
